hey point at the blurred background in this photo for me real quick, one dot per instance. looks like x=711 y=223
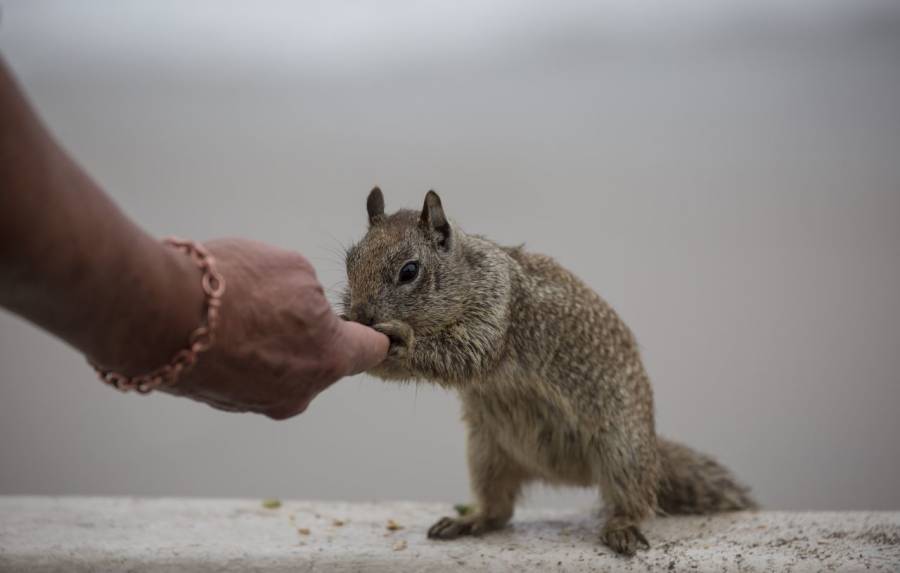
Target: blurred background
x=726 y=174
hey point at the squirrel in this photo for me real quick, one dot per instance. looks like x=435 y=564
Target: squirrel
x=550 y=378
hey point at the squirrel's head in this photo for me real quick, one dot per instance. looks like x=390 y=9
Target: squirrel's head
x=403 y=269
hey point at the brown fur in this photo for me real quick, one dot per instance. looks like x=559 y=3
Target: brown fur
x=551 y=380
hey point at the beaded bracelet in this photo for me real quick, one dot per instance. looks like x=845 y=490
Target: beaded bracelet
x=199 y=340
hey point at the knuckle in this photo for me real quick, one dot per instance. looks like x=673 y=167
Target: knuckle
x=283 y=412
x=301 y=263
x=311 y=304
x=277 y=415
x=331 y=367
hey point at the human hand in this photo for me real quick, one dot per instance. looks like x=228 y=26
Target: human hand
x=278 y=343
x=73 y=264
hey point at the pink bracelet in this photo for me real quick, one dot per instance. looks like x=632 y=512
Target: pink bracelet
x=199 y=340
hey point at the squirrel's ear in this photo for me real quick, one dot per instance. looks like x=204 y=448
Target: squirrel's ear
x=375 y=206
x=434 y=220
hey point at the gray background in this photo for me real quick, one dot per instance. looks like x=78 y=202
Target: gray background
x=727 y=175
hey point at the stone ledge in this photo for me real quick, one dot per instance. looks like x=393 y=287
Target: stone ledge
x=75 y=534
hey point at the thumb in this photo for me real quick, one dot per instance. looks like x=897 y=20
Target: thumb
x=365 y=347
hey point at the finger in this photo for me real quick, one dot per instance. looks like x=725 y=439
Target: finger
x=366 y=347
x=287 y=411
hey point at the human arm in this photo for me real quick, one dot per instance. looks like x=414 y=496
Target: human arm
x=74 y=264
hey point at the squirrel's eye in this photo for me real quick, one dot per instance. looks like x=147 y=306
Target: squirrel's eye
x=409 y=272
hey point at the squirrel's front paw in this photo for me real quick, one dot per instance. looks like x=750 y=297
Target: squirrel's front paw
x=401 y=337
x=453 y=527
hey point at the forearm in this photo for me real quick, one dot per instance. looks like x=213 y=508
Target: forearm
x=74 y=264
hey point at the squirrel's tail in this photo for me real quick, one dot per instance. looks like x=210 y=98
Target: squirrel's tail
x=691 y=482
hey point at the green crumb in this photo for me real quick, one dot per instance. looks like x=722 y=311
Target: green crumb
x=271 y=503
x=462 y=509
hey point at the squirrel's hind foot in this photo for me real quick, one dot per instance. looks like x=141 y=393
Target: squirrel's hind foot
x=625 y=540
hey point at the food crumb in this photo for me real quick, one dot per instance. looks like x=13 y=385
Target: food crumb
x=462 y=509
x=400 y=545
x=303 y=530
x=393 y=525
x=338 y=522
x=271 y=503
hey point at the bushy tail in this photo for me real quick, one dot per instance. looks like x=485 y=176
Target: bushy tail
x=692 y=482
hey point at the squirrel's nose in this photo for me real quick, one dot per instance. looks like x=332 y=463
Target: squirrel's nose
x=363 y=314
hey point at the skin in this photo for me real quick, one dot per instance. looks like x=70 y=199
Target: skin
x=75 y=265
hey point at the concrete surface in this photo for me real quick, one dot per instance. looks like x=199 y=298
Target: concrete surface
x=124 y=534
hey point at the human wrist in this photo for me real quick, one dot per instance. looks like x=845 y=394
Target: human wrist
x=158 y=323
x=200 y=339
